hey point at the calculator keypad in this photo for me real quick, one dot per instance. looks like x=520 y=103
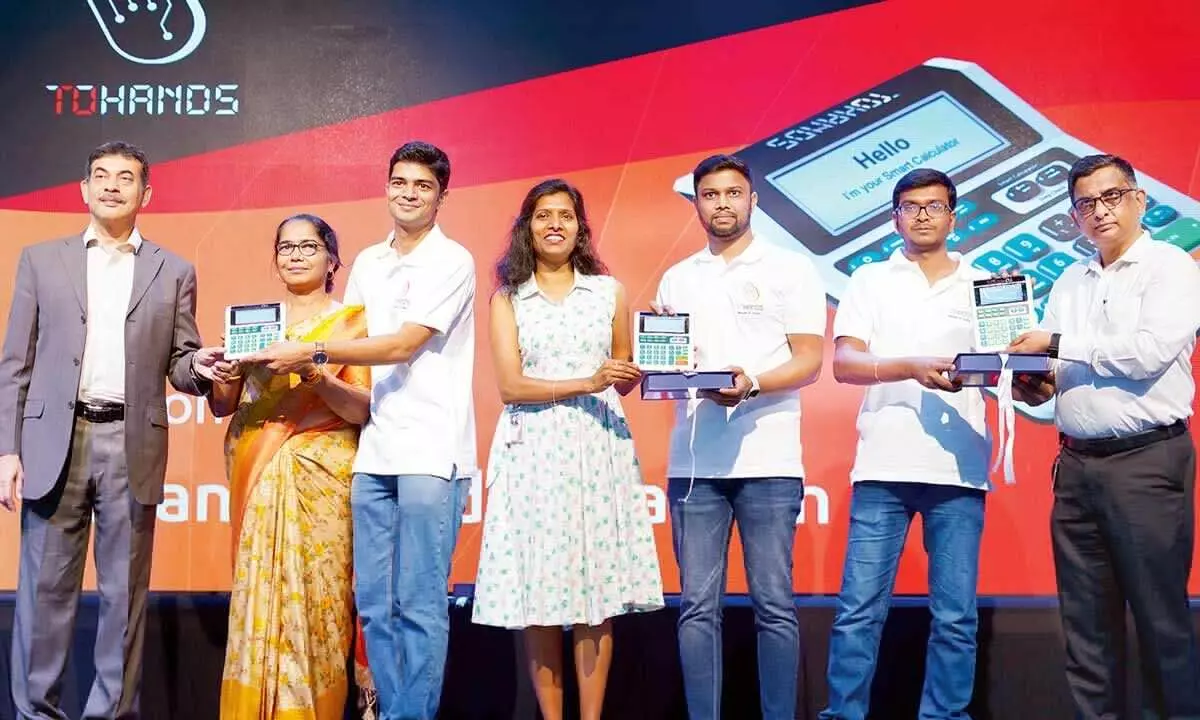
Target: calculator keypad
x=243 y=339
x=663 y=351
x=999 y=326
x=1027 y=211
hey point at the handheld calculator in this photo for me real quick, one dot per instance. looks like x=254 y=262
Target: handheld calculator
x=662 y=343
x=1002 y=309
x=250 y=328
x=825 y=183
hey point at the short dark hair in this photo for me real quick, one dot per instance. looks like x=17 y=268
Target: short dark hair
x=328 y=239
x=121 y=149
x=423 y=153
x=519 y=261
x=922 y=178
x=1089 y=164
x=717 y=163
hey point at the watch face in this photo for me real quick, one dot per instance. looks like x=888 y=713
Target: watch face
x=320 y=358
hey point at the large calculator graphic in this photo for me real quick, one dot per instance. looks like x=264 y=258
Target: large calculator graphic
x=824 y=184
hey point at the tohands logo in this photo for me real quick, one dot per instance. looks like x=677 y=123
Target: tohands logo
x=199 y=24
x=148 y=32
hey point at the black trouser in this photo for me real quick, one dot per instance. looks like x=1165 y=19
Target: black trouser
x=1122 y=528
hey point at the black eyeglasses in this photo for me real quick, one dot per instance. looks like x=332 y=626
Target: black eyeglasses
x=307 y=249
x=1111 y=198
x=935 y=209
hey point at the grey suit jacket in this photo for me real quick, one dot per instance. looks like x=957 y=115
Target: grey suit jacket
x=43 y=349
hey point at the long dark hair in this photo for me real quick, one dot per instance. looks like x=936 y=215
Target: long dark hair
x=518 y=262
x=328 y=239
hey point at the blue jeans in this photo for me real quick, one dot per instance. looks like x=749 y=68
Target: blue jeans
x=765 y=510
x=880 y=514
x=405 y=527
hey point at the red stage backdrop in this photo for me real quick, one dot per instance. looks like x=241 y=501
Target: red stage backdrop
x=250 y=118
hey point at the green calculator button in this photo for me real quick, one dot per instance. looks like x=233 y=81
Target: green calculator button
x=1184 y=232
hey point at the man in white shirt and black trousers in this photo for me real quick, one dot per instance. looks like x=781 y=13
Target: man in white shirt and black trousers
x=1122 y=326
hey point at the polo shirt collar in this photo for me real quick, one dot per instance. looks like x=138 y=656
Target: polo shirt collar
x=434 y=238
x=899 y=262
x=754 y=252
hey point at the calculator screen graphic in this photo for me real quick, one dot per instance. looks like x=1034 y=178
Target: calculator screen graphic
x=938 y=129
x=825 y=183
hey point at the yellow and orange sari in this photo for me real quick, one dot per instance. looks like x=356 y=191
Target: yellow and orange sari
x=288 y=459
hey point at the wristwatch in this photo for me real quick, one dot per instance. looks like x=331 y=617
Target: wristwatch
x=753 y=393
x=319 y=357
x=1052 y=348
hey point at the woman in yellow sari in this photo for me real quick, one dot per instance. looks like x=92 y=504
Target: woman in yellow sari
x=289 y=450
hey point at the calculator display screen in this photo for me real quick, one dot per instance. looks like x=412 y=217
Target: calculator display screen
x=1001 y=294
x=846 y=182
x=829 y=177
x=670 y=324
x=254 y=315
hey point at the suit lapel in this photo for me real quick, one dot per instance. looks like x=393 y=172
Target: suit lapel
x=74 y=257
x=146 y=265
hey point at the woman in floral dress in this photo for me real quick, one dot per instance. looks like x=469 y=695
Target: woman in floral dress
x=567 y=539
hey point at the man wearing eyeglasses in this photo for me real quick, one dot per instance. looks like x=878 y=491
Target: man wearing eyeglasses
x=1122 y=326
x=923 y=448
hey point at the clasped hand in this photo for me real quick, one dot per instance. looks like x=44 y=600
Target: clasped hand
x=280 y=359
x=614 y=372
x=933 y=373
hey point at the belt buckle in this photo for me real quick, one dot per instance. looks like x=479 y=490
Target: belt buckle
x=100 y=413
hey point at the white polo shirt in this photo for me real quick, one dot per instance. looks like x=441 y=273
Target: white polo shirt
x=422 y=412
x=1128 y=333
x=742 y=313
x=907 y=432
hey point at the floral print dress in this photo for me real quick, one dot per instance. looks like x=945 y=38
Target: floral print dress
x=567 y=537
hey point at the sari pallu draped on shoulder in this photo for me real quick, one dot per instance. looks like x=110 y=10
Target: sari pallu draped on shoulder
x=289 y=461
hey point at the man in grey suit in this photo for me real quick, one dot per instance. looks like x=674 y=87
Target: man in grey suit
x=97 y=321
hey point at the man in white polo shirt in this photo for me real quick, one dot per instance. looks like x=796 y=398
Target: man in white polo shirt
x=416 y=455
x=923 y=448
x=735 y=454
x=1122 y=325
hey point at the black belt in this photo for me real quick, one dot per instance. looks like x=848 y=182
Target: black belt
x=1112 y=446
x=100 y=412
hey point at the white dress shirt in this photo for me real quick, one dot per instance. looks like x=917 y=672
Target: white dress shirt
x=109 y=285
x=1128 y=331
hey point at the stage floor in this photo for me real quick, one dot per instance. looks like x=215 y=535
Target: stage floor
x=1019 y=673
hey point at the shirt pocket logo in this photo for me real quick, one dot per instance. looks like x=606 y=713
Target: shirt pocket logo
x=959 y=314
x=750 y=301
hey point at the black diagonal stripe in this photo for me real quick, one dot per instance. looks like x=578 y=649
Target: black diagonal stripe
x=307 y=63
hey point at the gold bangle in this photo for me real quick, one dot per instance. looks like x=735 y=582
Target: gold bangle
x=875 y=369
